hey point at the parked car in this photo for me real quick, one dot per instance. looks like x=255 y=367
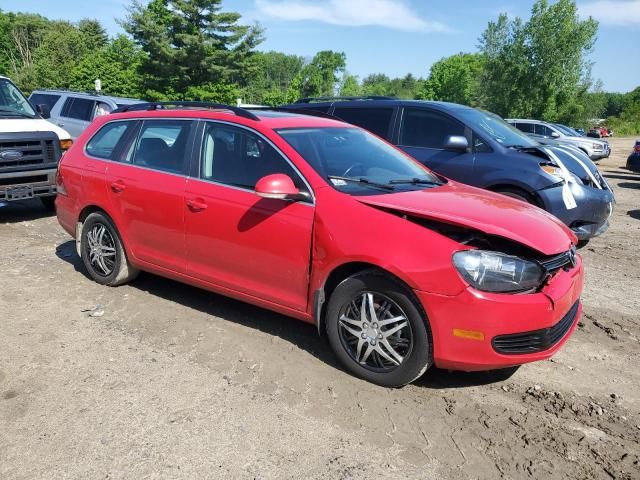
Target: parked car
x=75 y=110
x=30 y=148
x=633 y=162
x=540 y=131
x=325 y=222
x=594 y=133
x=480 y=149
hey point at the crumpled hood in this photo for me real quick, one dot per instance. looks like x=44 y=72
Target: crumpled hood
x=488 y=212
x=15 y=125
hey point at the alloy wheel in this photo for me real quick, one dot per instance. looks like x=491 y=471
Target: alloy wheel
x=375 y=332
x=101 y=250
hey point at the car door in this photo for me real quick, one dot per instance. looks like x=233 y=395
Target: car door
x=423 y=133
x=147 y=191
x=236 y=239
x=76 y=114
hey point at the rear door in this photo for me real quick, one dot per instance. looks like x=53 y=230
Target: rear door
x=423 y=133
x=76 y=115
x=236 y=239
x=147 y=191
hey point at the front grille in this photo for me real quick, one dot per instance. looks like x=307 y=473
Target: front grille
x=35 y=152
x=537 y=340
x=564 y=260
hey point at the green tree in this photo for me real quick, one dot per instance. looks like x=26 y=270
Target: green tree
x=350 y=86
x=271 y=75
x=190 y=43
x=538 y=68
x=116 y=65
x=93 y=34
x=455 y=79
x=321 y=77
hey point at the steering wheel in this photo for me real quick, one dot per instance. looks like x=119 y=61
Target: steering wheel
x=352 y=167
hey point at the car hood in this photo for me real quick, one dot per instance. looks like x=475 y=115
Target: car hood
x=488 y=212
x=18 y=125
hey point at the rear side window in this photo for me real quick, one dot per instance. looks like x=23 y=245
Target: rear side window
x=236 y=157
x=376 y=120
x=78 y=108
x=526 y=127
x=105 y=143
x=427 y=129
x=162 y=145
x=543 y=130
x=44 y=99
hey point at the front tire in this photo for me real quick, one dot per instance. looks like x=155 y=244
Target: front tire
x=378 y=330
x=102 y=252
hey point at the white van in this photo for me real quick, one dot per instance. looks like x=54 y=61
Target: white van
x=30 y=148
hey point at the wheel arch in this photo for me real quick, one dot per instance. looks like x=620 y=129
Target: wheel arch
x=94 y=208
x=500 y=187
x=339 y=274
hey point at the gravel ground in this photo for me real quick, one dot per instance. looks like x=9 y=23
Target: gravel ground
x=174 y=382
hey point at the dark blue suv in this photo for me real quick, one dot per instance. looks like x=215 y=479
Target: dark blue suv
x=481 y=149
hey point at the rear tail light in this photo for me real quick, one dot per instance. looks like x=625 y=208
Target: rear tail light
x=60 y=183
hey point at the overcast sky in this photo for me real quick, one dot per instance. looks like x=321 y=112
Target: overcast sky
x=391 y=36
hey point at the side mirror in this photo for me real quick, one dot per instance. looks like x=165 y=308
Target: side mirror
x=457 y=143
x=555 y=135
x=43 y=110
x=278 y=186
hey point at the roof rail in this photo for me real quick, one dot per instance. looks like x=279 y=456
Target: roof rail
x=337 y=99
x=137 y=107
x=298 y=111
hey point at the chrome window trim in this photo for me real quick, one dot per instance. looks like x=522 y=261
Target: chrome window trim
x=311 y=201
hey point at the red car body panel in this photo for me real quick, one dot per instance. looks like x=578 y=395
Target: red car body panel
x=278 y=254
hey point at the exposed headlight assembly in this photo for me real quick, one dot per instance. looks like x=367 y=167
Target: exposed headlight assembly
x=498 y=272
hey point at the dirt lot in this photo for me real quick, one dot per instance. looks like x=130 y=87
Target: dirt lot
x=174 y=382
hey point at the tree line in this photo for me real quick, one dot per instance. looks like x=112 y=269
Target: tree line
x=195 y=50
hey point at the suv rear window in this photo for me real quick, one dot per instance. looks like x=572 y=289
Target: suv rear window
x=44 y=99
x=427 y=129
x=78 y=108
x=104 y=143
x=376 y=120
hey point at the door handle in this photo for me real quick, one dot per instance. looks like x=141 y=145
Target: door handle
x=196 y=204
x=118 y=186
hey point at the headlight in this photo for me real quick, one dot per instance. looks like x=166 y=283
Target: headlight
x=65 y=144
x=557 y=172
x=497 y=272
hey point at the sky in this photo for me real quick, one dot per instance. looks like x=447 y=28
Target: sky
x=395 y=37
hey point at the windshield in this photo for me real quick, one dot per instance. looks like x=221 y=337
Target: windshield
x=566 y=130
x=492 y=125
x=13 y=102
x=357 y=162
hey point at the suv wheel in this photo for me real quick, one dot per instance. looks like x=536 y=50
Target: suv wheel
x=102 y=252
x=378 y=330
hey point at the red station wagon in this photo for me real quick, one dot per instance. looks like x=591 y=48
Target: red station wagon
x=325 y=222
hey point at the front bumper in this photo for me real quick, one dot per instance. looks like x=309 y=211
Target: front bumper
x=497 y=315
x=27 y=184
x=590 y=217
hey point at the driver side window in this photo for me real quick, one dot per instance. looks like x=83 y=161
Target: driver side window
x=236 y=157
x=427 y=129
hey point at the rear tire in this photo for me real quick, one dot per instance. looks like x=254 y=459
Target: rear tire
x=390 y=345
x=102 y=252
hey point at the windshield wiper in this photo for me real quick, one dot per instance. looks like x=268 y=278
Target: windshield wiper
x=414 y=181
x=365 y=181
x=15 y=112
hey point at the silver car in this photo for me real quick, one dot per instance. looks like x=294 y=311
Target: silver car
x=544 y=131
x=74 y=111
